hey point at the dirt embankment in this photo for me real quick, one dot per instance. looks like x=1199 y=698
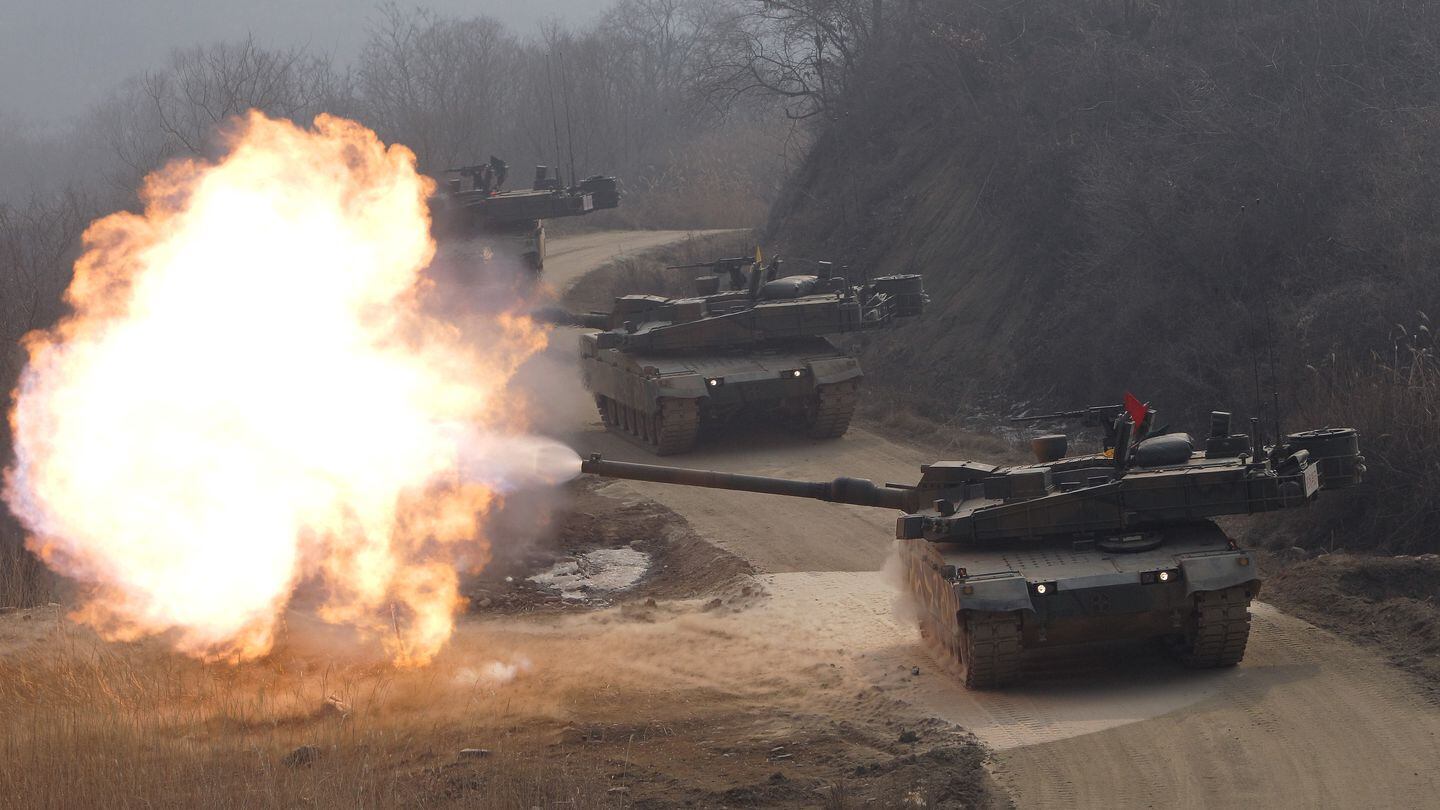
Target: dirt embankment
x=606 y=551
x=1387 y=603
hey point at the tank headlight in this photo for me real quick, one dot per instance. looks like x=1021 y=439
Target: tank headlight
x=797 y=373
x=715 y=382
x=1041 y=588
x=1164 y=576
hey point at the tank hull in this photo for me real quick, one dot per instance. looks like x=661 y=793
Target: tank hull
x=983 y=609
x=808 y=379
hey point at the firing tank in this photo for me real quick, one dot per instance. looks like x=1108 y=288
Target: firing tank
x=514 y=219
x=661 y=368
x=1004 y=562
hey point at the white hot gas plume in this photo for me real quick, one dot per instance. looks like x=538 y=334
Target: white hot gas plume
x=248 y=396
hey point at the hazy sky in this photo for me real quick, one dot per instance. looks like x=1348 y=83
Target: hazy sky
x=58 y=56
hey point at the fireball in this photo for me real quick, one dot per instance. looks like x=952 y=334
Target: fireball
x=249 y=395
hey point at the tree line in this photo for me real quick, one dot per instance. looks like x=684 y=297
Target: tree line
x=1207 y=203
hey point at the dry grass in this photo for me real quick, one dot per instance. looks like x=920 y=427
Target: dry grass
x=678 y=707
x=92 y=725
x=1395 y=404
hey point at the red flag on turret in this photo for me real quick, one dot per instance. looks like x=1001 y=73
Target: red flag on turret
x=1137 y=409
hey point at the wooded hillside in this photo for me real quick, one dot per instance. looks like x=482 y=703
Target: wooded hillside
x=1169 y=197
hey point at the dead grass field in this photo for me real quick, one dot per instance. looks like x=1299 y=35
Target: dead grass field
x=644 y=703
x=93 y=725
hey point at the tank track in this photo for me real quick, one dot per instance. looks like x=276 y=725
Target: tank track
x=984 y=653
x=1219 y=629
x=982 y=649
x=672 y=429
x=830 y=410
x=990 y=649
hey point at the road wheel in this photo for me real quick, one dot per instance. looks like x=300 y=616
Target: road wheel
x=673 y=428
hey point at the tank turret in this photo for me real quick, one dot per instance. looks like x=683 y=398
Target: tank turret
x=1119 y=545
x=660 y=368
x=514 y=218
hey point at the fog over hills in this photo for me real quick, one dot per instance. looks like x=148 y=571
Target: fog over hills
x=59 y=56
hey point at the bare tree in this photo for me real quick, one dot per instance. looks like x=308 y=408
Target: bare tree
x=204 y=87
x=442 y=86
x=803 y=51
x=37 y=243
x=179 y=109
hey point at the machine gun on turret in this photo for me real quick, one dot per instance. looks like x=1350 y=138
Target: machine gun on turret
x=733 y=267
x=1106 y=417
x=1095 y=415
x=487 y=178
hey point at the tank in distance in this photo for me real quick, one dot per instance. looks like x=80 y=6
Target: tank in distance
x=751 y=345
x=473 y=202
x=1006 y=561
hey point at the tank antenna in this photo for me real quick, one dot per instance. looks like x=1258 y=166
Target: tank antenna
x=554 y=115
x=1256 y=436
x=569 y=131
x=1259 y=403
x=1270 y=357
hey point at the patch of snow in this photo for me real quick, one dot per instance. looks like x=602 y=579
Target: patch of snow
x=605 y=570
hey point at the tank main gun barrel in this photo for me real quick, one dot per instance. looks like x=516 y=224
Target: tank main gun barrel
x=557 y=316
x=855 y=491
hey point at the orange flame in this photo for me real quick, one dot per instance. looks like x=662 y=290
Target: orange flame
x=249 y=396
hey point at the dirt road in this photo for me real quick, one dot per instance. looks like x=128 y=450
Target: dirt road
x=1308 y=720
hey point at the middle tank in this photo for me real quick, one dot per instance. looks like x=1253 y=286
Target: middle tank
x=664 y=368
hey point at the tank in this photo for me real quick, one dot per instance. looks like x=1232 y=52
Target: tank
x=662 y=368
x=513 y=219
x=1005 y=562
